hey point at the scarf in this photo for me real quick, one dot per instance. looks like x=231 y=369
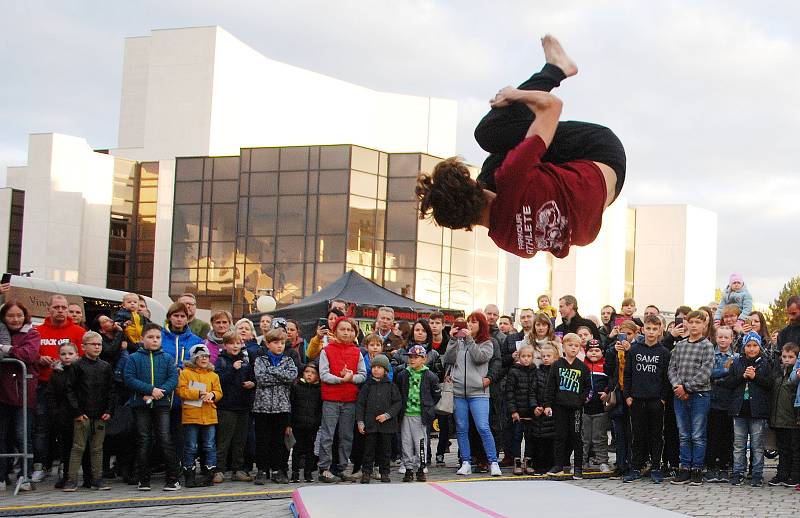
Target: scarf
x=274 y=359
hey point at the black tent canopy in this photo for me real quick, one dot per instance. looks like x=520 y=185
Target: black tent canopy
x=363 y=298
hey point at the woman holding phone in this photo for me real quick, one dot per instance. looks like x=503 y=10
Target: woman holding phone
x=468 y=354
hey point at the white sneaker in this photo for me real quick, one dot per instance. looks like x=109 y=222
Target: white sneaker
x=3 y=485
x=604 y=468
x=495 y=469
x=401 y=470
x=38 y=476
x=465 y=469
x=26 y=486
x=425 y=469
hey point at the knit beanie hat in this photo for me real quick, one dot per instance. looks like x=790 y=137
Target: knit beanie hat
x=198 y=350
x=751 y=336
x=735 y=277
x=339 y=321
x=380 y=360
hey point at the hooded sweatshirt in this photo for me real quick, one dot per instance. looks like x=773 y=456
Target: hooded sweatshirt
x=646 y=372
x=470 y=364
x=178 y=345
x=52 y=336
x=568 y=384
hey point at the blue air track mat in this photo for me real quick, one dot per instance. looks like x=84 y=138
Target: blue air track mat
x=493 y=499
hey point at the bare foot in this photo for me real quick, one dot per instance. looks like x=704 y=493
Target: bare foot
x=555 y=55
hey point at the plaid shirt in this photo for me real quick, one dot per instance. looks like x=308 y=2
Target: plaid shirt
x=690 y=365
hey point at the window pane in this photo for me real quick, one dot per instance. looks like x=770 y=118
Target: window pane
x=288 y=283
x=221 y=254
x=402 y=189
x=330 y=249
x=290 y=249
x=264 y=159
x=186 y=225
x=429 y=256
x=364 y=159
x=313 y=181
x=260 y=250
x=223 y=221
x=363 y=184
x=404 y=164
x=263 y=214
x=332 y=214
x=333 y=181
x=294 y=158
x=184 y=255
x=401 y=254
x=361 y=230
x=291 y=215
x=314 y=157
x=429 y=232
x=399 y=281
x=382 y=187
x=334 y=157
x=462 y=262
x=226 y=168
x=463 y=239
x=327 y=273
x=245 y=160
x=311 y=219
x=401 y=220
x=225 y=192
x=242 y=223
x=294 y=182
x=189 y=169
x=188 y=192
x=383 y=164
x=264 y=184
x=380 y=220
x=429 y=287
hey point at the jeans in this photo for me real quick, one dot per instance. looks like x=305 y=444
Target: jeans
x=478 y=407
x=44 y=446
x=692 y=418
x=153 y=423
x=647 y=419
x=93 y=433
x=755 y=428
x=12 y=434
x=205 y=437
x=502 y=129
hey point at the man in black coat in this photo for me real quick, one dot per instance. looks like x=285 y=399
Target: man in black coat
x=571 y=320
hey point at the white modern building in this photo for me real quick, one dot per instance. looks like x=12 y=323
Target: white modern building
x=200 y=96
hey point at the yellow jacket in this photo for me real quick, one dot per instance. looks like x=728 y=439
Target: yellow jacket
x=207 y=412
x=315 y=346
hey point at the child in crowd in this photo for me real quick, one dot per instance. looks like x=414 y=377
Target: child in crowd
x=378 y=412
x=628 y=309
x=690 y=377
x=90 y=396
x=235 y=370
x=541 y=335
x=60 y=419
x=419 y=388
x=274 y=373
x=783 y=420
x=199 y=388
x=341 y=370
x=306 y=402
x=130 y=320
x=564 y=396
x=543 y=425
x=735 y=293
x=152 y=376
x=620 y=339
x=646 y=390
x=521 y=402
x=595 y=418
x=221 y=322
x=373 y=345
x=750 y=382
x=545 y=307
x=720 y=425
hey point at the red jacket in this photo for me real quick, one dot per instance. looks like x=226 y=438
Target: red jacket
x=25 y=347
x=340 y=356
x=53 y=337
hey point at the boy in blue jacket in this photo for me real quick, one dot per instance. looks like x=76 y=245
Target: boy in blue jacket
x=152 y=377
x=750 y=382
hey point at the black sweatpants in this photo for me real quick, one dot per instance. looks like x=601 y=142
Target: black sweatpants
x=647 y=422
x=542 y=457
x=271 y=454
x=502 y=129
x=788 y=452
x=719 y=443
x=303 y=451
x=377 y=450
x=569 y=431
x=671 y=442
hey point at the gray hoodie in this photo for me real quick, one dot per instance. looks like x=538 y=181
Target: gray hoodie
x=469 y=363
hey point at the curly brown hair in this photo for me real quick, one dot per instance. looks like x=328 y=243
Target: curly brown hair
x=454 y=199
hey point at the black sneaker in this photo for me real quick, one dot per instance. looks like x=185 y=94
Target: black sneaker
x=172 y=485
x=681 y=477
x=757 y=482
x=100 y=485
x=409 y=476
x=60 y=483
x=737 y=479
x=617 y=474
x=711 y=476
x=309 y=477
x=279 y=477
x=421 y=476
x=366 y=477
x=577 y=473
x=70 y=486
x=144 y=484
x=327 y=477
x=440 y=459
x=722 y=476
x=778 y=480
x=385 y=478
x=791 y=482
x=295 y=477
x=261 y=478
x=696 y=477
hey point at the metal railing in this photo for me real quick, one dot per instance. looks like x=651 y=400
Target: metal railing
x=24 y=454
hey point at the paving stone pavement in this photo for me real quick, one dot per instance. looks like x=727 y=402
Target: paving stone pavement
x=707 y=500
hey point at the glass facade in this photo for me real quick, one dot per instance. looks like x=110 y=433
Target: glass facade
x=133 y=226
x=15 y=232
x=294 y=219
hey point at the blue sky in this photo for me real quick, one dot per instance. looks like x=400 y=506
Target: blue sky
x=703 y=94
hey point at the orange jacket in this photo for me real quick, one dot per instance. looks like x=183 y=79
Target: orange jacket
x=206 y=413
